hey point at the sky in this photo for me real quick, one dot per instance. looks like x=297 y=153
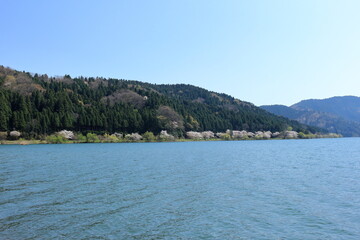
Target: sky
x=260 y=51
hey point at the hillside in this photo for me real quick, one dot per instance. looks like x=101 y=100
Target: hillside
x=39 y=105
x=330 y=121
x=347 y=107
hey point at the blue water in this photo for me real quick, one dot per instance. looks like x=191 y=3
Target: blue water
x=286 y=189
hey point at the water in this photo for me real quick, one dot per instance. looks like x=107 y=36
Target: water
x=286 y=189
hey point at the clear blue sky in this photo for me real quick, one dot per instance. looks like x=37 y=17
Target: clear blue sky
x=265 y=52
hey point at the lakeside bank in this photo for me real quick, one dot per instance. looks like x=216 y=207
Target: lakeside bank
x=66 y=141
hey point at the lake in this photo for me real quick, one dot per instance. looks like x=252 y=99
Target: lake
x=277 y=189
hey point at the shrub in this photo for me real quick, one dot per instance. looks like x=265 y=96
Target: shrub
x=226 y=137
x=110 y=138
x=55 y=139
x=14 y=135
x=134 y=137
x=92 y=138
x=302 y=135
x=3 y=135
x=194 y=135
x=80 y=138
x=67 y=134
x=149 y=136
x=164 y=136
x=208 y=134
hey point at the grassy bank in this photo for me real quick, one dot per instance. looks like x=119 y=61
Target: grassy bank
x=30 y=142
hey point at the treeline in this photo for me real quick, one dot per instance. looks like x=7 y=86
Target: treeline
x=38 y=105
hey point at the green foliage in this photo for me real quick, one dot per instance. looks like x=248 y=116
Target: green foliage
x=192 y=123
x=80 y=138
x=301 y=135
x=92 y=138
x=307 y=136
x=110 y=138
x=100 y=105
x=5 y=112
x=3 y=135
x=55 y=139
x=245 y=137
x=149 y=136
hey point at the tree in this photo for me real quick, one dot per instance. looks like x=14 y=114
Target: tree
x=92 y=138
x=149 y=136
x=5 y=112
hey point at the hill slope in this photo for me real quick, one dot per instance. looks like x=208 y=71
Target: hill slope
x=347 y=107
x=331 y=114
x=38 y=104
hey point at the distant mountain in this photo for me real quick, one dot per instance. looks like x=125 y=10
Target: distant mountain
x=338 y=114
x=39 y=105
x=282 y=110
x=347 y=107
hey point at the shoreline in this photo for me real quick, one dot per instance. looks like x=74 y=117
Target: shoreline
x=35 y=142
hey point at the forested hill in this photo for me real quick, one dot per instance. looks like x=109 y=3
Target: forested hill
x=39 y=105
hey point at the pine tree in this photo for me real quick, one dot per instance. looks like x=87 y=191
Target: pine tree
x=5 y=113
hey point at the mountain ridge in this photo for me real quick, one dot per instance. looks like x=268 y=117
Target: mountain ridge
x=347 y=107
x=340 y=114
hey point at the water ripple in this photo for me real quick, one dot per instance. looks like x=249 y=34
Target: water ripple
x=203 y=190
